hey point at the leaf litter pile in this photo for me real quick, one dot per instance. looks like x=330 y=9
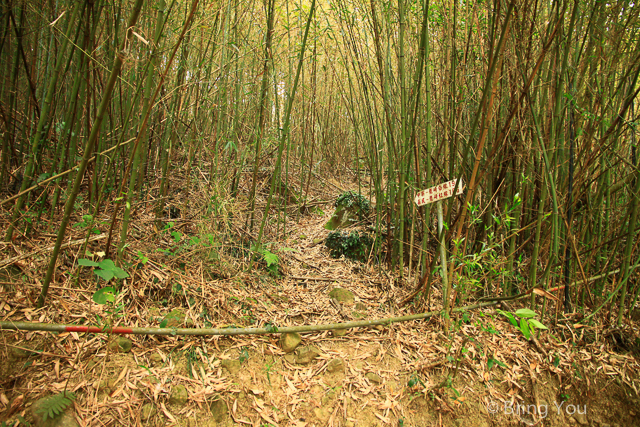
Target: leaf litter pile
x=483 y=372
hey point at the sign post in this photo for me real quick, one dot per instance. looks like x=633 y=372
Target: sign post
x=437 y=194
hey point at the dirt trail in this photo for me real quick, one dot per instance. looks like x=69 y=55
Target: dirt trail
x=482 y=373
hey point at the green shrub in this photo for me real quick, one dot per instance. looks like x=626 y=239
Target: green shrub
x=350 y=199
x=352 y=245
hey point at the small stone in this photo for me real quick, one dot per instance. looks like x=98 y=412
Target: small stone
x=322 y=414
x=349 y=424
x=156 y=359
x=341 y=295
x=22 y=353
x=339 y=332
x=374 y=378
x=175 y=318
x=420 y=402
x=121 y=345
x=333 y=380
x=581 y=418
x=108 y=385
x=148 y=411
x=232 y=366
x=219 y=410
x=317 y=391
x=289 y=341
x=179 y=395
x=291 y=358
x=335 y=365
x=305 y=355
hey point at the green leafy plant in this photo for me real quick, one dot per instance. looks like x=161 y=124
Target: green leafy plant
x=142 y=259
x=491 y=362
x=87 y=222
x=268 y=368
x=414 y=380
x=527 y=323
x=105 y=295
x=53 y=406
x=271 y=328
x=106 y=269
x=350 y=199
x=175 y=235
x=244 y=355
x=272 y=260
x=352 y=245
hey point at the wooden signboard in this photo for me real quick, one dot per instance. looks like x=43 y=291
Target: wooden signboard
x=439 y=192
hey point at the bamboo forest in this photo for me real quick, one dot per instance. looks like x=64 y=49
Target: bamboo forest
x=319 y=213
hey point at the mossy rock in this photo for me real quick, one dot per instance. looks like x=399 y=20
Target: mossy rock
x=341 y=295
x=174 y=319
x=22 y=353
x=289 y=341
x=148 y=411
x=335 y=365
x=121 y=345
x=65 y=419
x=306 y=355
x=219 y=410
x=232 y=366
x=374 y=378
x=179 y=395
x=351 y=207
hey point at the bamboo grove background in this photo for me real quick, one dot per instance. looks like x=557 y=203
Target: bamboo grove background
x=531 y=103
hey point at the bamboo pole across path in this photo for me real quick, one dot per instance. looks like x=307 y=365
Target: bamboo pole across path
x=55 y=327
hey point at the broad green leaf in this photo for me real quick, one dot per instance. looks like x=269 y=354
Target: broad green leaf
x=524 y=327
x=104 y=295
x=509 y=316
x=120 y=273
x=537 y=324
x=105 y=274
x=106 y=264
x=87 y=263
x=525 y=312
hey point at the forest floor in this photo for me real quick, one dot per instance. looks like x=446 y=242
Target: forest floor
x=481 y=373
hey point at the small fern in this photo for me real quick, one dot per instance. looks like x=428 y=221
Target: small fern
x=53 y=406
